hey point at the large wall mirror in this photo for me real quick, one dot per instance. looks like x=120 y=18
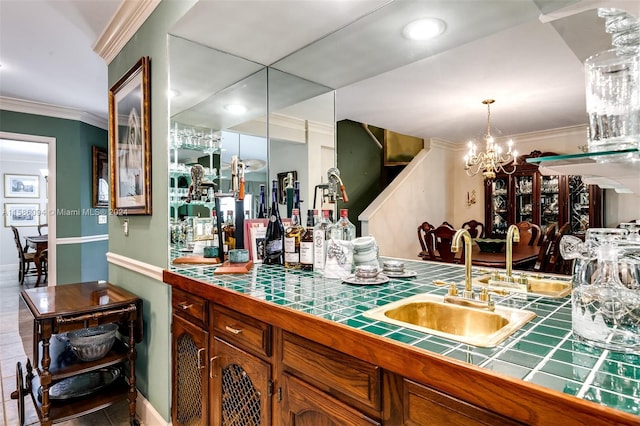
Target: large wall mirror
x=223 y=106
x=351 y=61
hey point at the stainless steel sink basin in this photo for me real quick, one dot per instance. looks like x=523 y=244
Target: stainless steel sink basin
x=548 y=287
x=475 y=326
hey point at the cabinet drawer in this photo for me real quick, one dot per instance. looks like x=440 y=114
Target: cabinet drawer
x=422 y=403
x=248 y=333
x=343 y=376
x=189 y=306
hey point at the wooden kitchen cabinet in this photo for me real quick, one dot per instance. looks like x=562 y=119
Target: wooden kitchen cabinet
x=528 y=196
x=305 y=405
x=241 y=387
x=190 y=360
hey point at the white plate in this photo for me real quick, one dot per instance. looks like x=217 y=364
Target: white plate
x=380 y=279
x=405 y=274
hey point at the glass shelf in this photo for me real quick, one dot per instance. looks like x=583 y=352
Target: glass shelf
x=618 y=170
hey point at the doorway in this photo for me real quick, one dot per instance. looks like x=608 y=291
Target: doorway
x=32 y=159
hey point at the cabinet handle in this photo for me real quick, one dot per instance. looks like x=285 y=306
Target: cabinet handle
x=184 y=305
x=200 y=364
x=233 y=330
x=212 y=368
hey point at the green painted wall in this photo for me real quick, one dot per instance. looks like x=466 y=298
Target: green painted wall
x=360 y=165
x=74 y=141
x=148 y=235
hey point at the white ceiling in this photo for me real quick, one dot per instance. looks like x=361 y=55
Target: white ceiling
x=527 y=54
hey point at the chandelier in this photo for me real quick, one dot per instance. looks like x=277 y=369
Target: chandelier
x=492 y=160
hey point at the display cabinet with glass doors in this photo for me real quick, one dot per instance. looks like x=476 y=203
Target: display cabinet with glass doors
x=528 y=196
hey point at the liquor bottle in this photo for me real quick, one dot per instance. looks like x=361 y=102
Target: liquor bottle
x=343 y=229
x=320 y=241
x=229 y=232
x=214 y=226
x=292 y=241
x=262 y=209
x=306 y=244
x=274 y=238
x=316 y=217
x=296 y=195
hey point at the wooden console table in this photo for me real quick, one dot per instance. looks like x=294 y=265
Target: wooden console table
x=49 y=311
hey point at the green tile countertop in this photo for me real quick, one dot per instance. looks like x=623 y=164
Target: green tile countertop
x=543 y=352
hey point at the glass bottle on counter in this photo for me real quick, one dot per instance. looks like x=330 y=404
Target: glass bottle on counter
x=262 y=208
x=274 y=237
x=229 y=233
x=320 y=236
x=306 y=244
x=343 y=229
x=214 y=227
x=292 y=241
x=296 y=195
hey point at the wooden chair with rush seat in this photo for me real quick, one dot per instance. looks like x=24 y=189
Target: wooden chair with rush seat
x=26 y=258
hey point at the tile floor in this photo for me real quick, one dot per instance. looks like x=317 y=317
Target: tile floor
x=11 y=351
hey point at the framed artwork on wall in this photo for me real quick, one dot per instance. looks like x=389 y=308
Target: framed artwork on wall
x=283 y=182
x=100 y=177
x=130 y=141
x=399 y=149
x=21 y=186
x=21 y=214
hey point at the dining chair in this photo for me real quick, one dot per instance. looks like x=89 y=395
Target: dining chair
x=545 y=247
x=475 y=228
x=441 y=239
x=41 y=227
x=529 y=233
x=422 y=236
x=557 y=263
x=26 y=258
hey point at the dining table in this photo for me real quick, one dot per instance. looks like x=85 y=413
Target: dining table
x=523 y=256
x=39 y=243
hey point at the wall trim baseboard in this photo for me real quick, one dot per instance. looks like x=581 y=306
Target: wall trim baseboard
x=82 y=239
x=12 y=267
x=147 y=413
x=50 y=110
x=142 y=268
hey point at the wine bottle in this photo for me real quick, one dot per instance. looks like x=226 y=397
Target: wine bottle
x=274 y=238
x=292 y=241
x=262 y=209
x=306 y=244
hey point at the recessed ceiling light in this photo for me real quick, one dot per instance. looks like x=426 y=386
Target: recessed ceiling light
x=424 y=29
x=236 y=108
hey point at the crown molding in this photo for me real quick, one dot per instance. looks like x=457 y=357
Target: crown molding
x=443 y=144
x=49 y=110
x=123 y=25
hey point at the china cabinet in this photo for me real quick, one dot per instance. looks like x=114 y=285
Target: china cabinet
x=61 y=386
x=529 y=196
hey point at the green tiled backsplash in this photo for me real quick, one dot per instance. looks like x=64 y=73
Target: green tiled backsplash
x=544 y=351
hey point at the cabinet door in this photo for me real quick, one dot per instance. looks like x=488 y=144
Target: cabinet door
x=584 y=205
x=497 y=204
x=241 y=383
x=304 y=405
x=524 y=206
x=190 y=376
x=550 y=203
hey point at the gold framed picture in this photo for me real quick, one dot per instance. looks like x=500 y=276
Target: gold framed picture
x=130 y=142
